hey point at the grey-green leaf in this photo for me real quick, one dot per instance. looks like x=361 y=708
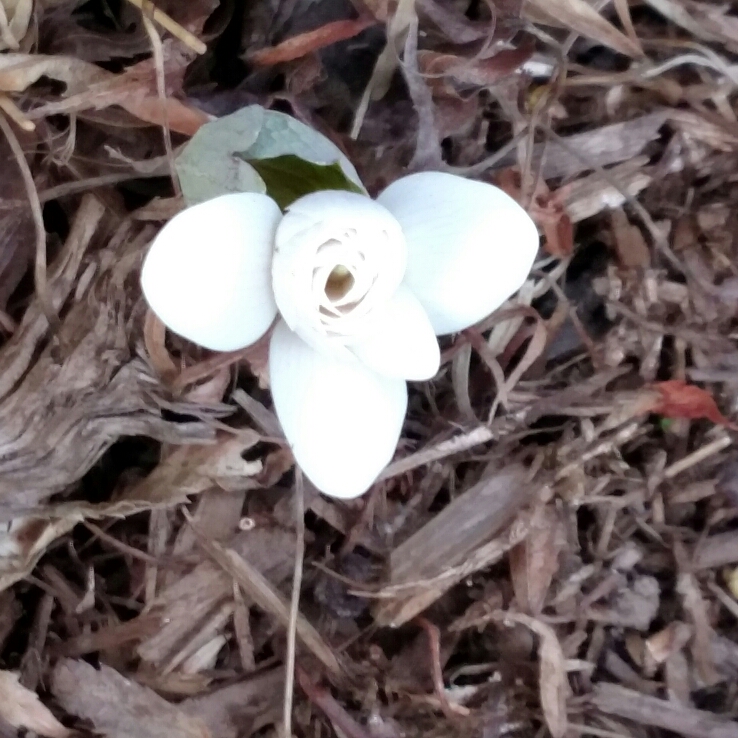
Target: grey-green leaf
x=216 y=160
x=289 y=177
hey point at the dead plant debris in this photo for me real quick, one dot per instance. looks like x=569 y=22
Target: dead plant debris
x=553 y=551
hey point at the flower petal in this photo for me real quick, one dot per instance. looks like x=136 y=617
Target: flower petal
x=341 y=419
x=470 y=245
x=331 y=237
x=208 y=273
x=400 y=341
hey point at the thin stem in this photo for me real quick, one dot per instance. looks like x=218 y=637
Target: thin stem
x=289 y=681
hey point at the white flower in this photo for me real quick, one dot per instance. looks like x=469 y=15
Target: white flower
x=363 y=288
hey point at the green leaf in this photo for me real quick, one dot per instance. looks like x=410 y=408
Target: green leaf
x=219 y=158
x=289 y=177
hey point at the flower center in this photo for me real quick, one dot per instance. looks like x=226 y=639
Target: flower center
x=339 y=282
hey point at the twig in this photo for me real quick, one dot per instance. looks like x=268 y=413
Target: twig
x=427 y=152
x=39 y=272
x=187 y=38
x=161 y=91
x=700 y=454
x=450 y=710
x=124 y=548
x=289 y=680
x=208 y=367
x=330 y=707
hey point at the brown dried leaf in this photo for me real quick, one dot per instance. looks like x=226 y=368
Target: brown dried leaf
x=547 y=210
x=91 y=87
x=475 y=72
x=22 y=708
x=677 y=399
x=567 y=156
x=309 y=41
x=119 y=707
x=630 y=245
x=189 y=470
x=534 y=562
x=554 y=683
x=19 y=71
x=580 y=16
x=696 y=608
x=454 y=24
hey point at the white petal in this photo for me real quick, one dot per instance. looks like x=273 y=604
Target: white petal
x=208 y=273
x=470 y=245
x=400 y=341
x=331 y=232
x=341 y=419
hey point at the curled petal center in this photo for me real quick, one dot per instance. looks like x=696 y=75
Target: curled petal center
x=339 y=283
x=338 y=257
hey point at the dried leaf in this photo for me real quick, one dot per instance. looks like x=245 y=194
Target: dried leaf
x=22 y=708
x=475 y=72
x=547 y=210
x=567 y=156
x=190 y=470
x=305 y=43
x=630 y=245
x=554 y=683
x=534 y=562
x=186 y=471
x=454 y=24
x=677 y=399
x=19 y=71
x=580 y=16
x=91 y=87
x=119 y=707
